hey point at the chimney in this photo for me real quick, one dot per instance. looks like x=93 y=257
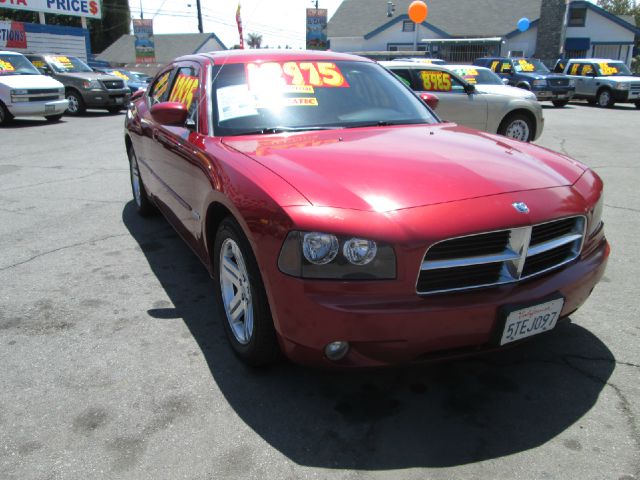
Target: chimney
x=551 y=31
x=390 y=8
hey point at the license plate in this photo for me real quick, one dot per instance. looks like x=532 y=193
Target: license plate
x=49 y=108
x=119 y=100
x=561 y=95
x=529 y=321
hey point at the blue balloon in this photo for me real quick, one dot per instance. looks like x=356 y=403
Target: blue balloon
x=524 y=24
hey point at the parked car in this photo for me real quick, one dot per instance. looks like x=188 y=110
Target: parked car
x=84 y=88
x=487 y=81
x=427 y=61
x=531 y=74
x=605 y=82
x=461 y=102
x=24 y=92
x=344 y=225
x=134 y=81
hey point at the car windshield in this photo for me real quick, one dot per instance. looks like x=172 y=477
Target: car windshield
x=478 y=76
x=530 y=65
x=16 y=65
x=123 y=74
x=612 y=69
x=67 y=64
x=273 y=97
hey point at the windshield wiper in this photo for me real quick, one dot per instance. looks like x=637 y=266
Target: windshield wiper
x=381 y=123
x=272 y=130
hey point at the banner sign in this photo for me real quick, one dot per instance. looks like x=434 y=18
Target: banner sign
x=12 y=35
x=145 y=48
x=316 y=29
x=77 y=8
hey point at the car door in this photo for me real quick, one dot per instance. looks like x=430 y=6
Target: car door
x=181 y=164
x=579 y=71
x=456 y=105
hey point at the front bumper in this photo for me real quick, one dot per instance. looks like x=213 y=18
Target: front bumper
x=106 y=98
x=626 y=96
x=550 y=93
x=38 y=109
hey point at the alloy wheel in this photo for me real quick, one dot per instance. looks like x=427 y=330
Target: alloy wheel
x=518 y=130
x=236 y=291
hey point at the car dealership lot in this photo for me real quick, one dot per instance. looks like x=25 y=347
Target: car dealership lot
x=114 y=365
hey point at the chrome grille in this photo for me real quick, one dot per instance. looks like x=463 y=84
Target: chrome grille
x=559 y=82
x=500 y=257
x=635 y=87
x=113 y=84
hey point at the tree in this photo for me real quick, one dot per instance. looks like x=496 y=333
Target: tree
x=254 y=40
x=621 y=7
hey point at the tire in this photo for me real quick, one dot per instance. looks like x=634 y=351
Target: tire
x=76 y=103
x=5 y=115
x=517 y=126
x=144 y=207
x=605 y=99
x=591 y=101
x=638 y=105
x=240 y=293
x=114 y=110
x=53 y=118
x=560 y=103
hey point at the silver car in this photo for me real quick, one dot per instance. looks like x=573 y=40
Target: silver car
x=605 y=82
x=517 y=116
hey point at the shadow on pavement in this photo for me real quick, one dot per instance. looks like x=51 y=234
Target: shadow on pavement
x=438 y=415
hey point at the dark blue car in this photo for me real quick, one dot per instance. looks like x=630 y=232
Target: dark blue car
x=134 y=81
x=531 y=74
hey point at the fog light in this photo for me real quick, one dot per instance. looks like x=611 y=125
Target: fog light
x=336 y=350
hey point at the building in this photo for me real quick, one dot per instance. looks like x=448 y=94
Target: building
x=462 y=30
x=37 y=38
x=167 y=47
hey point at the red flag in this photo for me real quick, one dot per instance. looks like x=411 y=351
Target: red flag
x=239 y=22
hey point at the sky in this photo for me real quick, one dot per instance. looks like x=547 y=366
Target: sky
x=280 y=22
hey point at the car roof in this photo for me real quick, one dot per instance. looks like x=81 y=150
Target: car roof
x=9 y=52
x=254 y=55
x=477 y=67
x=598 y=60
x=415 y=65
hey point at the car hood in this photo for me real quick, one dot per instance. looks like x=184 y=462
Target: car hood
x=391 y=168
x=542 y=76
x=29 y=81
x=506 y=90
x=89 y=76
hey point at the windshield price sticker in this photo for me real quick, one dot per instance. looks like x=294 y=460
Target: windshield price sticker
x=469 y=74
x=161 y=86
x=436 y=81
x=118 y=73
x=607 y=69
x=63 y=62
x=184 y=89
x=6 y=66
x=268 y=75
x=494 y=65
x=38 y=63
x=526 y=66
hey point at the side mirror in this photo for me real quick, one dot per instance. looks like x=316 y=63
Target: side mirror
x=170 y=113
x=469 y=88
x=430 y=99
x=505 y=81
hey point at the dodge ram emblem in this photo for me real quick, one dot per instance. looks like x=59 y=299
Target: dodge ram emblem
x=521 y=207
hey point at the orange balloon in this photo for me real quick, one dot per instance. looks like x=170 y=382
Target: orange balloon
x=418 y=11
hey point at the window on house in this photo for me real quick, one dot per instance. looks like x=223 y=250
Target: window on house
x=408 y=26
x=577 y=16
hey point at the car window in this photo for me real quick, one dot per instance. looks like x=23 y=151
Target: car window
x=67 y=64
x=530 y=65
x=16 y=65
x=262 y=97
x=478 y=75
x=439 y=81
x=560 y=66
x=185 y=89
x=580 y=69
x=505 y=66
x=609 y=69
x=404 y=75
x=160 y=90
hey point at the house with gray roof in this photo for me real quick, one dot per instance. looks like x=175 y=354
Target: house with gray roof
x=167 y=47
x=462 y=30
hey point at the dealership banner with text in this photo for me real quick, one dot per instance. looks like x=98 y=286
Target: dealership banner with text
x=316 y=29
x=77 y=8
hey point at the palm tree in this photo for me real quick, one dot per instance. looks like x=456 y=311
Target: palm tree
x=254 y=40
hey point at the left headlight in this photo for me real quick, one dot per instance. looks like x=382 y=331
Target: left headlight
x=327 y=256
x=539 y=83
x=596 y=216
x=92 y=85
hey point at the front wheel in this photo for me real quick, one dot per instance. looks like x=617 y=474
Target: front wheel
x=53 y=118
x=604 y=99
x=5 y=115
x=241 y=297
x=76 y=103
x=143 y=204
x=560 y=103
x=518 y=127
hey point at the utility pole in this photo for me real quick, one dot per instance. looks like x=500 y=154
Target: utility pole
x=141 y=14
x=200 y=29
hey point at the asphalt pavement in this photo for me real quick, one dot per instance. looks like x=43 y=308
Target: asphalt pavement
x=114 y=365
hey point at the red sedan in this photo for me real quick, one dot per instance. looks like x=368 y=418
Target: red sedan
x=345 y=225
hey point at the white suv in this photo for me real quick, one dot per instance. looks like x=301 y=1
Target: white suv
x=24 y=92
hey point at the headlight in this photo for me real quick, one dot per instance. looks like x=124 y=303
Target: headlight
x=19 y=96
x=596 y=216
x=92 y=85
x=328 y=256
x=623 y=86
x=61 y=95
x=20 y=92
x=539 y=83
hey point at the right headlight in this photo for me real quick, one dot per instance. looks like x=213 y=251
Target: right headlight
x=596 y=216
x=327 y=256
x=623 y=86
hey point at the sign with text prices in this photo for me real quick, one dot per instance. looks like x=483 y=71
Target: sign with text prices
x=76 y=8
